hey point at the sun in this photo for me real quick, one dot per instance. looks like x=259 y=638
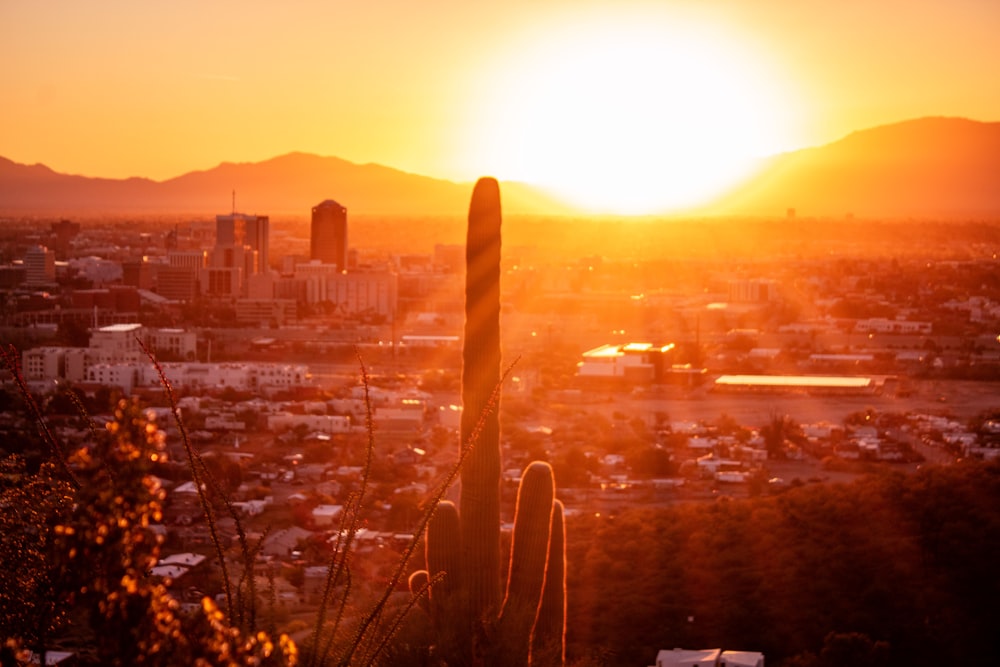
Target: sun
x=630 y=114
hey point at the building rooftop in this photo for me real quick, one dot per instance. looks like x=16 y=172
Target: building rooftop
x=795 y=381
x=687 y=658
x=612 y=350
x=121 y=328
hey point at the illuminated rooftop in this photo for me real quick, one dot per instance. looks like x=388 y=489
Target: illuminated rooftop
x=121 y=328
x=604 y=351
x=609 y=350
x=794 y=381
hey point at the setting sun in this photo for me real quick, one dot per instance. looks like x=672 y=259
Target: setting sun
x=638 y=107
x=633 y=114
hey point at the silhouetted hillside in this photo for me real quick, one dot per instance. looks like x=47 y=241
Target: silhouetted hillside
x=290 y=184
x=925 y=168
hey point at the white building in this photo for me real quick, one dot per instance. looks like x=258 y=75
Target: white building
x=887 y=326
x=54 y=363
x=324 y=515
x=178 y=343
x=42 y=363
x=637 y=362
x=741 y=659
x=194 y=375
x=187 y=259
x=241 y=376
x=757 y=290
x=679 y=657
x=283 y=421
x=117 y=343
x=125 y=376
x=708 y=658
x=116 y=358
x=406 y=417
x=109 y=346
x=352 y=292
x=123 y=343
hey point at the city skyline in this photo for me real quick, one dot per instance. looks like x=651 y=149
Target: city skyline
x=635 y=107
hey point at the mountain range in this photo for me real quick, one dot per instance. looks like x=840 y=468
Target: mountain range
x=923 y=168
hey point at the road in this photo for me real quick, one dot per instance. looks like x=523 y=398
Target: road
x=957 y=399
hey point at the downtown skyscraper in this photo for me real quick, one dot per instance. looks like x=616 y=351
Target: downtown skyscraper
x=328 y=234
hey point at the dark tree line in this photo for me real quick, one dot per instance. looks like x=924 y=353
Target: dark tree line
x=904 y=565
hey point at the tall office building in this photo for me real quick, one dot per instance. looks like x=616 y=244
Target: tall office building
x=239 y=229
x=256 y=229
x=63 y=233
x=328 y=234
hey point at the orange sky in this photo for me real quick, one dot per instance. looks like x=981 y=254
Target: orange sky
x=539 y=91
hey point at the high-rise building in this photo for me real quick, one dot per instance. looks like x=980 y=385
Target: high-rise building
x=256 y=230
x=241 y=248
x=63 y=233
x=239 y=230
x=229 y=229
x=177 y=282
x=138 y=273
x=328 y=234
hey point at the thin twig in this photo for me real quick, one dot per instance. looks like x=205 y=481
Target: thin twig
x=197 y=471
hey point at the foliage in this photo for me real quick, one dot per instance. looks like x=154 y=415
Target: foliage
x=33 y=505
x=94 y=553
x=905 y=562
x=778 y=430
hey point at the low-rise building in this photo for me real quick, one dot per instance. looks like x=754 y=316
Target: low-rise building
x=640 y=363
x=708 y=658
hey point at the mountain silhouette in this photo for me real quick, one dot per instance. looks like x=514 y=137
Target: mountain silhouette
x=289 y=184
x=924 y=168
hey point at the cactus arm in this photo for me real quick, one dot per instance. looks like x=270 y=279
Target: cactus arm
x=442 y=550
x=417 y=584
x=548 y=642
x=529 y=553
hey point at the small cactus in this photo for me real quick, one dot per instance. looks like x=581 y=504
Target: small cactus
x=473 y=626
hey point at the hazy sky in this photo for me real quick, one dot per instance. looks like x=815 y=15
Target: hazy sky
x=580 y=96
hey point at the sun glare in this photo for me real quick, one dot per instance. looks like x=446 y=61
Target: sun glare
x=631 y=115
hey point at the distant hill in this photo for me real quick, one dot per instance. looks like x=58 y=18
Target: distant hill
x=924 y=168
x=290 y=184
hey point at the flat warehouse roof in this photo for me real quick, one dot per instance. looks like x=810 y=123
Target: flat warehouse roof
x=794 y=381
x=121 y=327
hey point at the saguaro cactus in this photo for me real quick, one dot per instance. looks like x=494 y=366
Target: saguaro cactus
x=473 y=626
x=480 y=497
